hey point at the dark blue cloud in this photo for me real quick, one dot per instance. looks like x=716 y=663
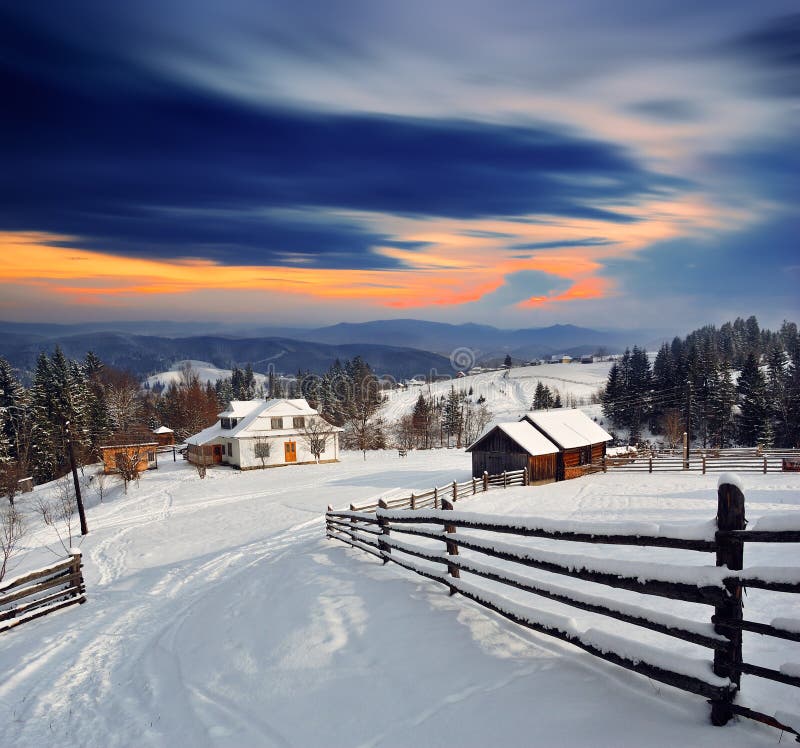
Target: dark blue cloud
x=588 y=242
x=668 y=110
x=97 y=147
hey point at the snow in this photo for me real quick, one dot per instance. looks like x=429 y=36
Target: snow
x=508 y=394
x=731 y=479
x=569 y=428
x=205 y=371
x=789 y=624
x=792 y=669
x=218 y=614
x=777 y=522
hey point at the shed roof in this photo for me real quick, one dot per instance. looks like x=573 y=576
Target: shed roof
x=569 y=428
x=523 y=434
x=163 y=430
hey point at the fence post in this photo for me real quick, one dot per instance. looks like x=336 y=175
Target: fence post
x=525 y=476
x=435 y=497
x=455 y=493
x=704 y=464
x=485 y=481
x=76 y=569
x=328 y=522
x=604 y=464
x=730 y=553
x=765 y=465
x=505 y=482
x=413 y=501
x=383 y=523
x=650 y=467
x=473 y=484
x=452 y=548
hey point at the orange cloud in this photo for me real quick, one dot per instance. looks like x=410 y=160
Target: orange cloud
x=458 y=261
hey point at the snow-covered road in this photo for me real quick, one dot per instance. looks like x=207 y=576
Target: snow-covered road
x=219 y=615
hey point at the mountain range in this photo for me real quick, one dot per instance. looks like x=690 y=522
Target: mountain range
x=402 y=348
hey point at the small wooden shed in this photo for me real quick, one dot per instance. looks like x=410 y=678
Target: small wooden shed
x=514 y=446
x=144 y=453
x=579 y=439
x=164 y=436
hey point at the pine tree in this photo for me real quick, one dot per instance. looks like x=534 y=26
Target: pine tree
x=721 y=426
x=507 y=361
x=753 y=412
x=421 y=420
x=612 y=394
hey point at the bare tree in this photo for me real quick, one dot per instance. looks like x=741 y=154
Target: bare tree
x=315 y=434
x=672 y=423
x=476 y=419
x=127 y=464
x=262 y=449
x=124 y=404
x=100 y=485
x=58 y=512
x=12 y=530
x=405 y=433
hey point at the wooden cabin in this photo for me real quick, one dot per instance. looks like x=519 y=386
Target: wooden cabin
x=514 y=446
x=144 y=453
x=164 y=436
x=579 y=439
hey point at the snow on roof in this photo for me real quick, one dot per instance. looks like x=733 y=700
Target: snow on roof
x=163 y=430
x=249 y=412
x=240 y=408
x=525 y=435
x=569 y=428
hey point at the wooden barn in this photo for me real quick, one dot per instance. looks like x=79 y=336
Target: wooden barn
x=579 y=439
x=514 y=446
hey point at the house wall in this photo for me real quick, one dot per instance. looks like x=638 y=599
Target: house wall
x=110 y=459
x=245 y=457
x=542 y=467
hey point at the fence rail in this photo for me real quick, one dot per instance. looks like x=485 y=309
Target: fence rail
x=710 y=461
x=433 y=498
x=40 y=592
x=390 y=534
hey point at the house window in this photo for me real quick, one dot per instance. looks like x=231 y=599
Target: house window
x=151 y=456
x=276 y=423
x=299 y=422
x=230 y=449
x=225 y=423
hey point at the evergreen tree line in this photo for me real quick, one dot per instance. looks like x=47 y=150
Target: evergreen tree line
x=694 y=381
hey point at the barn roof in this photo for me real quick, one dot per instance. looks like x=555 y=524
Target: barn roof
x=523 y=434
x=569 y=428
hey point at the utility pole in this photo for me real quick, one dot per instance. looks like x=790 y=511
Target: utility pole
x=688 y=436
x=78 y=497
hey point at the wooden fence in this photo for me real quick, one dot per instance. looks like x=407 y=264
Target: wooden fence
x=40 y=592
x=708 y=461
x=452 y=491
x=719 y=586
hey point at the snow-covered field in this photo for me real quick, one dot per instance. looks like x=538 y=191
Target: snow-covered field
x=219 y=615
x=509 y=394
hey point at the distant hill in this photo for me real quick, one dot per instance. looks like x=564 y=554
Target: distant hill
x=146 y=354
x=488 y=343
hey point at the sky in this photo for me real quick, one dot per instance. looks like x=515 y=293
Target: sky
x=603 y=163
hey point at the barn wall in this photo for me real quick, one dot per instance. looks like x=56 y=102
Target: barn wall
x=494 y=462
x=598 y=451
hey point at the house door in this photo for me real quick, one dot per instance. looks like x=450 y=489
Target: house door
x=217 y=453
x=290 y=451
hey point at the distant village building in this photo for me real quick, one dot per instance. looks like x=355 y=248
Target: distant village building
x=587 y=359
x=253 y=434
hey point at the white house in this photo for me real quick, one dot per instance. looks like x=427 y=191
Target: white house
x=265 y=433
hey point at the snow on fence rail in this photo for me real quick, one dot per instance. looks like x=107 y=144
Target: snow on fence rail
x=433 y=498
x=706 y=461
x=721 y=586
x=40 y=592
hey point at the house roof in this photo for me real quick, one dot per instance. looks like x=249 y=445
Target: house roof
x=163 y=430
x=523 y=434
x=254 y=415
x=569 y=428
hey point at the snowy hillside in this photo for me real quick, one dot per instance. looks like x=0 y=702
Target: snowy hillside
x=219 y=615
x=205 y=371
x=509 y=394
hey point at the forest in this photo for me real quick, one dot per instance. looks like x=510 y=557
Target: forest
x=736 y=385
